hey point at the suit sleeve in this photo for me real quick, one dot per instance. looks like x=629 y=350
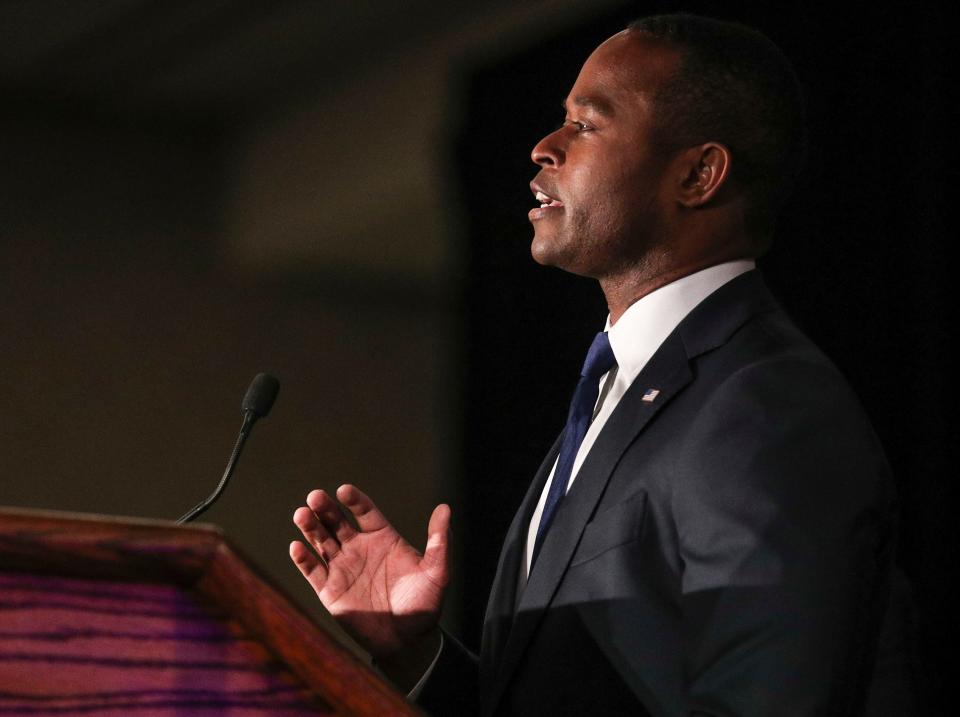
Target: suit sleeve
x=452 y=685
x=783 y=513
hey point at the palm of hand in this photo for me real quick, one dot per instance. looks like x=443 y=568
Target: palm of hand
x=377 y=581
x=378 y=586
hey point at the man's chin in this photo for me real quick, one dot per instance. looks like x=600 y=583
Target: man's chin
x=543 y=250
x=552 y=252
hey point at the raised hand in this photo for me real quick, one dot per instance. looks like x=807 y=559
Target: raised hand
x=383 y=592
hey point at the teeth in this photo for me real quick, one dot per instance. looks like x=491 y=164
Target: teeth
x=547 y=201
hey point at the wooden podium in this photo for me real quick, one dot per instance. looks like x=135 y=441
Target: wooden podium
x=109 y=616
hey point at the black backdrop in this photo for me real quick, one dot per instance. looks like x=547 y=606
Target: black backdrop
x=860 y=261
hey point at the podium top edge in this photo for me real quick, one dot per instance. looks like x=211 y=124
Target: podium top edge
x=18 y=513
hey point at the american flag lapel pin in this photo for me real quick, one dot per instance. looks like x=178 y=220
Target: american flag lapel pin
x=650 y=394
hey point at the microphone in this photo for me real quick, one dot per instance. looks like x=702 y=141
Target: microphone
x=256 y=404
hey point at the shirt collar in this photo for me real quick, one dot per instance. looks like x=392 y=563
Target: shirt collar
x=647 y=322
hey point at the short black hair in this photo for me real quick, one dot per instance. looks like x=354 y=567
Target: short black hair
x=733 y=86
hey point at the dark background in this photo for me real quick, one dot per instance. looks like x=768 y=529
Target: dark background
x=192 y=192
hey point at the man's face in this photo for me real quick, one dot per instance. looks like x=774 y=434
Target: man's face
x=602 y=176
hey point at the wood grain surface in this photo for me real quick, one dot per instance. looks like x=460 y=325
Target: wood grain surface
x=75 y=646
x=108 y=616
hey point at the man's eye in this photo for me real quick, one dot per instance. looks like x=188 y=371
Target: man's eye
x=579 y=126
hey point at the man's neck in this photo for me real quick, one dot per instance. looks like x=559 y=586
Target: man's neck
x=623 y=291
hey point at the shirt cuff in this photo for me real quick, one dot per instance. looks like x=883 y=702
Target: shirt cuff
x=413 y=694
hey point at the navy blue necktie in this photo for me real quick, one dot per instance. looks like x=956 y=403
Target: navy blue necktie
x=600 y=359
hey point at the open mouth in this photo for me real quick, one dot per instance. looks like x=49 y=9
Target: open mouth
x=549 y=206
x=546 y=200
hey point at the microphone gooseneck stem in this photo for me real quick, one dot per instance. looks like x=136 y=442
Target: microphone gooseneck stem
x=249 y=418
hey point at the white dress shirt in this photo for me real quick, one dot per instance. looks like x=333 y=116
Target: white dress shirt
x=634 y=339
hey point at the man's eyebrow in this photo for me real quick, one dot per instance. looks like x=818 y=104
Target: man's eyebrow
x=596 y=104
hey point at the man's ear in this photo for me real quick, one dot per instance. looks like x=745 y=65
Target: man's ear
x=704 y=169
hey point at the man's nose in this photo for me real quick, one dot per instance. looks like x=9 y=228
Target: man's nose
x=549 y=152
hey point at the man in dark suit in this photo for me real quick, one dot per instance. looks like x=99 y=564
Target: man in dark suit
x=711 y=533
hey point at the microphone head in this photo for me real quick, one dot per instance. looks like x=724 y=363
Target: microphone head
x=261 y=395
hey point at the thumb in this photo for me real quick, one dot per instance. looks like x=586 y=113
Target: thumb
x=434 y=561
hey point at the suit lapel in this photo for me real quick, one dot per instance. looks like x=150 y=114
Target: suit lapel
x=668 y=372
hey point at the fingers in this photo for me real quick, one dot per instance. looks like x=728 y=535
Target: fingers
x=308 y=564
x=434 y=560
x=368 y=516
x=316 y=533
x=330 y=516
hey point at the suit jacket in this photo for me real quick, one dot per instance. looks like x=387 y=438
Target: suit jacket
x=725 y=549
